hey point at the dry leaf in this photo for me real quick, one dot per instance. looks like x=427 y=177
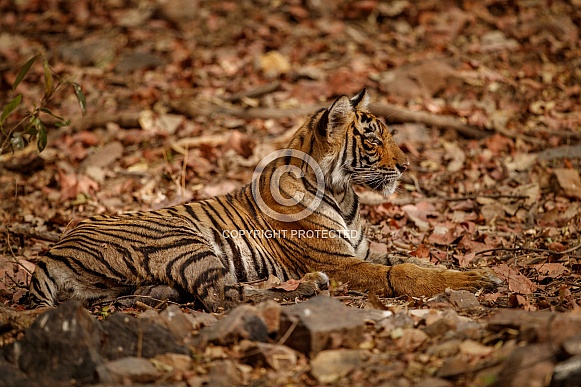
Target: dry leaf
x=289 y=286
x=517 y=282
x=569 y=181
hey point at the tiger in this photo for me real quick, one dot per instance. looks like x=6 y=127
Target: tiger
x=298 y=219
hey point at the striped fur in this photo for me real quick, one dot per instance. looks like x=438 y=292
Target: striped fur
x=190 y=248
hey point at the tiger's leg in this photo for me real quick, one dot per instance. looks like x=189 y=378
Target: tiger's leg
x=392 y=260
x=404 y=279
x=197 y=272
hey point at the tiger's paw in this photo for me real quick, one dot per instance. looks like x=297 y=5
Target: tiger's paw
x=412 y=280
x=472 y=280
x=151 y=295
x=310 y=285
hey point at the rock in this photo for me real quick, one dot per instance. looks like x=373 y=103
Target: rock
x=11 y=375
x=521 y=320
x=462 y=299
x=243 y=322
x=453 y=366
x=321 y=323
x=224 y=374
x=531 y=365
x=573 y=345
x=567 y=373
x=445 y=349
x=124 y=335
x=539 y=326
x=439 y=327
x=127 y=370
x=174 y=361
x=563 y=327
x=277 y=357
x=200 y=319
x=176 y=321
x=270 y=313
x=474 y=348
x=329 y=366
x=61 y=345
x=411 y=339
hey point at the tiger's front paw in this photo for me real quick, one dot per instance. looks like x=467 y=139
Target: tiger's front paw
x=412 y=280
x=473 y=280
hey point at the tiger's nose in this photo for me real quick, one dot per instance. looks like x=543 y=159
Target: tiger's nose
x=403 y=166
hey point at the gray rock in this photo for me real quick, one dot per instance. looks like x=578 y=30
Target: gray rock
x=176 y=321
x=439 y=327
x=224 y=374
x=270 y=313
x=127 y=370
x=321 y=323
x=531 y=365
x=462 y=299
x=62 y=344
x=243 y=322
x=124 y=335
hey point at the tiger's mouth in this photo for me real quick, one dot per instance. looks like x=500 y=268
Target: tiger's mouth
x=385 y=186
x=381 y=181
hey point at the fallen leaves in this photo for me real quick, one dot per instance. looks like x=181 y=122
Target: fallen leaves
x=517 y=282
x=569 y=181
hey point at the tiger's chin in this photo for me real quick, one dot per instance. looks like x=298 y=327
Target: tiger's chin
x=389 y=188
x=385 y=190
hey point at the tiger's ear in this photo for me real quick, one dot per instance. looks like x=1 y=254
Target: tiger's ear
x=335 y=117
x=361 y=100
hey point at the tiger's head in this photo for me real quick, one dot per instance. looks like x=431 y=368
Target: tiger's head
x=352 y=146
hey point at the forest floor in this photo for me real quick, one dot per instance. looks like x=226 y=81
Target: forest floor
x=184 y=98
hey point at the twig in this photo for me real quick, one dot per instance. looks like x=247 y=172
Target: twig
x=254 y=93
x=398 y=114
x=492 y=196
x=395 y=114
x=535 y=250
x=27 y=231
x=410 y=200
x=195 y=109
